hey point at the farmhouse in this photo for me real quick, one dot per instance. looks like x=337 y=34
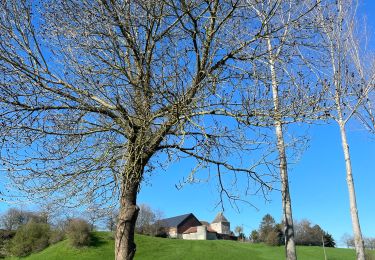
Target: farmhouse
x=189 y=227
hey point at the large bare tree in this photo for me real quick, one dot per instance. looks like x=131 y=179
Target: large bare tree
x=348 y=87
x=95 y=94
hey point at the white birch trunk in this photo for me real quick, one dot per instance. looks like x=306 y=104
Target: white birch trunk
x=336 y=51
x=358 y=240
x=290 y=248
x=337 y=70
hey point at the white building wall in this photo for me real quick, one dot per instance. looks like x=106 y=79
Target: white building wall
x=201 y=234
x=221 y=228
x=216 y=227
x=172 y=233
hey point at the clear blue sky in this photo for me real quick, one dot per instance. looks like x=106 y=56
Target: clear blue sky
x=318 y=184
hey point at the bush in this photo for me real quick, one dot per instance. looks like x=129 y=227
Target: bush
x=78 y=231
x=32 y=237
x=7 y=234
x=56 y=236
x=5 y=237
x=273 y=238
x=161 y=232
x=254 y=236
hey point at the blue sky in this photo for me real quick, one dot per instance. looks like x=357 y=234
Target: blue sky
x=318 y=183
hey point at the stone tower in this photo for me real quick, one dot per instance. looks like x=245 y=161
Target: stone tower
x=220 y=224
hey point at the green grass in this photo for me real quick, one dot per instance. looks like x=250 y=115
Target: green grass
x=152 y=248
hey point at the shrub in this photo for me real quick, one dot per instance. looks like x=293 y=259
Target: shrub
x=32 y=237
x=161 y=232
x=5 y=237
x=273 y=238
x=7 y=234
x=56 y=236
x=78 y=231
x=254 y=236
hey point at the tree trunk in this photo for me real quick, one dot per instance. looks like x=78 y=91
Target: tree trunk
x=358 y=239
x=338 y=64
x=290 y=248
x=124 y=240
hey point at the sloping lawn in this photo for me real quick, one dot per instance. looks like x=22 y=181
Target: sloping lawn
x=101 y=248
x=159 y=248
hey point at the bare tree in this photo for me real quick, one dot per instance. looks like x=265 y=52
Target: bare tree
x=12 y=219
x=148 y=221
x=286 y=92
x=111 y=220
x=348 y=240
x=94 y=213
x=95 y=94
x=311 y=235
x=370 y=243
x=238 y=230
x=146 y=218
x=347 y=89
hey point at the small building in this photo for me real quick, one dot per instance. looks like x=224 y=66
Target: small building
x=200 y=233
x=221 y=224
x=189 y=227
x=176 y=226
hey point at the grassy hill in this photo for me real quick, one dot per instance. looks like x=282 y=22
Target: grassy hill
x=159 y=248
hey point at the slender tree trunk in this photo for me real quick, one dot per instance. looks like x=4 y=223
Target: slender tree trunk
x=290 y=248
x=338 y=63
x=324 y=248
x=358 y=239
x=125 y=246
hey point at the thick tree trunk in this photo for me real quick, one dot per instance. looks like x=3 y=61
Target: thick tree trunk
x=358 y=239
x=124 y=240
x=290 y=248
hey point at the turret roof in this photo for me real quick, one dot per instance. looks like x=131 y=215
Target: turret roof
x=220 y=218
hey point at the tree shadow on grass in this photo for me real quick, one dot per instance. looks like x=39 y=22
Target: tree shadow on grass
x=96 y=241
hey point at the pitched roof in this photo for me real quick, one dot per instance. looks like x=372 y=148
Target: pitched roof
x=220 y=218
x=194 y=230
x=174 y=221
x=204 y=223
x=191 y=230
x=209 y=229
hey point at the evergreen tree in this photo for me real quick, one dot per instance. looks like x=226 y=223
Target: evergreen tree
x=254 y=236
x=328 y=240
x=266 y=227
